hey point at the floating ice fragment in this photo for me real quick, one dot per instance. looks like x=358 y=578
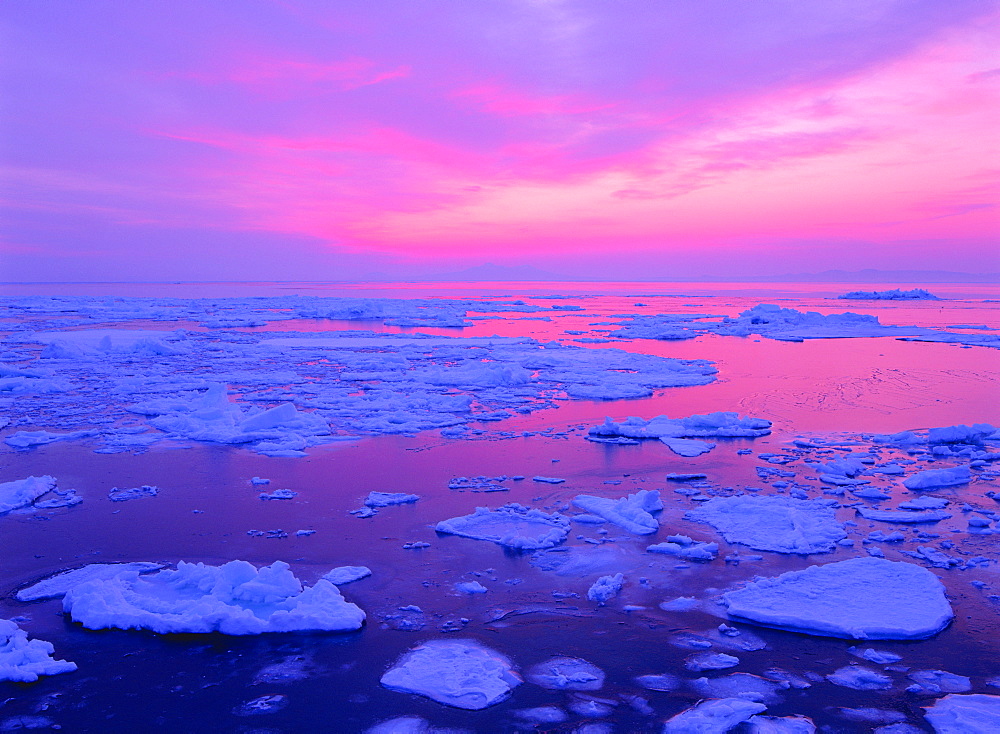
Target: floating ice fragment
x=742 y=685
x=934 y=682
x=903 y=516
x=279 y=494
x=470 y=587
x=710 y=661
x=683 y=547
x=880 y=657
x=347 y=574
x=933 y=478
x=663 y=682
x=22 y=492
x=606 y=588
x=861 y=598
x=23 y=660
x=548 y=480
x=460 y=673
x=860 y=678
x=716 y=716
x=566 y=674
x=915 y=294
x=512 y=525
x=977 y=713
x=718 y=425
x=781 y=524
x=633 y=513
x=235 y=599
x=30 y=439
x=132 y=493
x=542 y=715
x=386 y=499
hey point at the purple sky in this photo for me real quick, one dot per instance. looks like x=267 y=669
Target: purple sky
x=247 y=139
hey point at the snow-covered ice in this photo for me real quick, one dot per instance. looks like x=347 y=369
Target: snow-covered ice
x=781 y=524
x=633 y=513
x=387 y=499
x=861 y=598
x=512 y=525
x=236 y=598
x=684 y=547
x=23 y=492
x=606 y=588
x=722 y=424
x=860 y=678
x=347 y=574
x=976 y=713
x=896 y=294
x=934 y=478
x=460 y=673
x=23 y=660
x=58 y=584
x=566 y=674
x=714 y=716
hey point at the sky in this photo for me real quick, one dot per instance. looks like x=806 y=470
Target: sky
x=627 y=139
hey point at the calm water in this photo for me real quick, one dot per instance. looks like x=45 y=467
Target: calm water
x=129 y=681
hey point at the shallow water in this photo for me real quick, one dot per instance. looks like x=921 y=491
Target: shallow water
x=133 y=681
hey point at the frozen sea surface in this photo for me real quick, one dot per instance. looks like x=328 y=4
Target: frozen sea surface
x=341 y=395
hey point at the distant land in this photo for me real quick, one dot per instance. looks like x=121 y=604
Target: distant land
x=527 y=273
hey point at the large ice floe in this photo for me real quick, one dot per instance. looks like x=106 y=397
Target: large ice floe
x=781 y=524
x=236 y=598
x=976 y=713
x=633 y=513
x=512 y=525
x=722 y=424
x=460 y=673
x=23 y=660
x=861 y=598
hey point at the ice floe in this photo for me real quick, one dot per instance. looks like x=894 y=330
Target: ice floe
x=236 y=598
x=460 y=673
x=684 y=547
x=860 y=678
x=781 y=524
x=934 y=478
x=35 y=492
x=715 y=716
x=23 y=660
x=512 y=525
x=976 y=713
x=606 y=588
x=722 y=424
x=861 y=598
x=633 y=513
x=566 y=674
x=347 y=574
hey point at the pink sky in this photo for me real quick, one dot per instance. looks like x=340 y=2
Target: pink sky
x=178 y=140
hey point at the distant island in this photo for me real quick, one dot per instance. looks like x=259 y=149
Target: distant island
x=916 y=294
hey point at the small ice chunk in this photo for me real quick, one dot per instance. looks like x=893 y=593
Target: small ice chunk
x=933 y=682
x=235 y=599
x=512 y=525
x=58 y=584
x=346 y=574
x=132 y=493
x=542 y=715
x=633 y=513
x=879 y=657
x=279 y=494
x=781 y=524
x=23 y=660
x=680 y=604
x=719 y=424
x=566 y=674
x=861 y=598
x=933 y=478
x=924 y=503
x=978 y=713
x=716 y=716
x=470 y=587
x=606 y=588
x=710 y=661
x=742 y=685
x=386 y=499
x=548 y=480
x=460 y=673
x=683 y=547
x=860 y=678
x=259 y=480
